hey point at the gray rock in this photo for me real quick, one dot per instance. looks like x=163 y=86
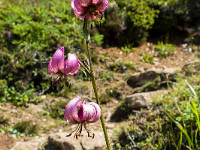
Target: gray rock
x=137 y=101
x=98 y=143
x=157 y=75
x=191 y=69
x=82 y=143
x=33 y=144
x=63 y=142
x=142 y=100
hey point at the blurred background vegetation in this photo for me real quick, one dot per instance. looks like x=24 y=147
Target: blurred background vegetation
x=37 y=28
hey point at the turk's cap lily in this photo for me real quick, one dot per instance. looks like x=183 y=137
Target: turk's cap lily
x=89 y=9
x=77 y=112
x=60 y=65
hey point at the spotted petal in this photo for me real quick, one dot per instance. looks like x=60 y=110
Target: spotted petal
x=71 y=110
x=71 y=64
x=96 y=114
x=101 y=5
x=57 y=61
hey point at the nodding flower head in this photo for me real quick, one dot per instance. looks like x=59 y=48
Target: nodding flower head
x=59 y=64
x=78 y=112
x=89 y=9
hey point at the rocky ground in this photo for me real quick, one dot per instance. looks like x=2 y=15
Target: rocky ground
x=130 y=83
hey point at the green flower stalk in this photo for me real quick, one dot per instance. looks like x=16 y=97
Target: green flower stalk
x=86 y=34
x=89 y=10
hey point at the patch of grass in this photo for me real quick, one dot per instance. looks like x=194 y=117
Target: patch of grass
x=146 y=58
x=3 y=84
x=104 y=98
x=78 y=88
x=106 y=76
x=173 y=122
x=20 y=98
x=27 y=127
x=121 y=66
x=164 y=50
x=114 y=92
x=128 y=48
x=149 y=86
x=103 y=58
x=98 y=38
x=56 y=109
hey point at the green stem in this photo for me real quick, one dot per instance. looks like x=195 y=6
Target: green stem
x=96 y=94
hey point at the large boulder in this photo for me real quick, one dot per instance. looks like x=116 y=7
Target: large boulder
x=153 y=79
x=134 y=102
x=63 y=142
x=82 y=143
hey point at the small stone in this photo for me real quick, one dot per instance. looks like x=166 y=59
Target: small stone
x=43 y=97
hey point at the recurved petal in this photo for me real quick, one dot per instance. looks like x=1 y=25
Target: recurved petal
x=78 y=5
x=57 y=61
x=72 y=64
x=89 y=112
x=88 y=2
x=81 y=15
x=101 y=5
x=51 y=69
x=95 y=113
x=71 y=110
x=72 y=5
x=74 y=71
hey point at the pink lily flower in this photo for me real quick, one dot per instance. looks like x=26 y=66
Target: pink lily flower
x=77 y=112
x=62 y=66
x=90 y=9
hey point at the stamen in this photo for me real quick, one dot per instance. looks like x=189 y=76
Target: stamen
x=80 y=130
x=73 y=130
x=88 y=131
x=93 y=136
x=76 y=134
x=101 y=17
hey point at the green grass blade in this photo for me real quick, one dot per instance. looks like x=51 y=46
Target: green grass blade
x=180 y=140
x=182 y=130
x=195 y=112
x=196 y=143
x=193 y=91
